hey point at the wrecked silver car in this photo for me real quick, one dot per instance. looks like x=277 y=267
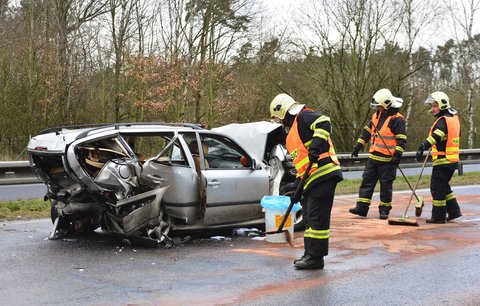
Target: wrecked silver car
x=144 y=180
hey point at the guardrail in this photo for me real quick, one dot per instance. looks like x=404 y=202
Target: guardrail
x=467 y=157
x=19 y=172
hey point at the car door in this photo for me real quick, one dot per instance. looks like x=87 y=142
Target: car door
x=166 y=165
x=233 y=185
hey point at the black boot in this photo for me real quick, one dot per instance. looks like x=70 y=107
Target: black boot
x=454 y=215
x=453 y=209
x=299 y=259
x=436 y=221
x=384 y=211
x=439 y=215
x=310 y=262
x=360 y=209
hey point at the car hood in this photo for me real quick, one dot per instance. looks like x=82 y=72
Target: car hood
x=251 y=136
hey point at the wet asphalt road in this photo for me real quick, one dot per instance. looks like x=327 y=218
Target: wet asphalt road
x=370 y=263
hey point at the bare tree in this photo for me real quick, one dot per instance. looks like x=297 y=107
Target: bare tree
x=463 y=18
x=416 y=18
x=68 y=18
x=122 y=28
x=355 y=57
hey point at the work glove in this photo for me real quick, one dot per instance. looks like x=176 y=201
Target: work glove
x=293 y=198
x=397 y=156
x=297 y=198
x=313 y=156
x=356 y=148
x=419 y=155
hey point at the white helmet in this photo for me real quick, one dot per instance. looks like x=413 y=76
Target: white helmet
x=442 y=99
x=283 y=103
x=384 y=98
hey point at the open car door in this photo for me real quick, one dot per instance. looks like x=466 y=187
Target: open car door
x=233 y=185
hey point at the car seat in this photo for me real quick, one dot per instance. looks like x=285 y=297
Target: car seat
x=193 y=146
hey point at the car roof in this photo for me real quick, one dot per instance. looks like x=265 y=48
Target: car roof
x=92 y=128
x=56 y=138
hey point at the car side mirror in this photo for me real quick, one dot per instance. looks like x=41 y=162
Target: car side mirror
x=245 y=161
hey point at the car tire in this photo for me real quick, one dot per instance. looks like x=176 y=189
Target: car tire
x=63 y=224
x=287 y=190
x=66 y=224
x=166 y=225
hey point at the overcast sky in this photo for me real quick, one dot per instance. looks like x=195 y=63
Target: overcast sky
x=283 y=10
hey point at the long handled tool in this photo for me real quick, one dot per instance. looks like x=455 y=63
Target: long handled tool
x=298 y=192
x=418 y=208
x=419 y=199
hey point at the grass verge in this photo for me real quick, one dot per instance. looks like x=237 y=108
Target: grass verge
x=37 y=208
x=24 y=209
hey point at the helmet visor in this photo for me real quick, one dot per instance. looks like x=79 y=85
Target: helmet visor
x=429 y=100
x=374 y=104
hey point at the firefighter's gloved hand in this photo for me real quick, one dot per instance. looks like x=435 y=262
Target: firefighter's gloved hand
x=423 y=146
x=295 y=197
x=419 y=155
x=356 y=148
x=313 y=156
x=296 y=183
x=397 y=156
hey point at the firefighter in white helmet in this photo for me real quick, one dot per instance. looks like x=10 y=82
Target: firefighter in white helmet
x=386 y=133
x=444 y=140
x=308 y=140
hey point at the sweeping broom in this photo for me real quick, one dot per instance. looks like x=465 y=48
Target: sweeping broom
x=418 y=208
x=404 y=220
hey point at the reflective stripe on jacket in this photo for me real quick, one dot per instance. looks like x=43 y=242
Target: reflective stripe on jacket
x=452 y=147
x=388 y=144
x=299 y=153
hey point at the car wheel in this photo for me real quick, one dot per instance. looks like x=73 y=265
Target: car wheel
x=81 y=224
x=63 y=224
x=287 y=190
x=162 y=230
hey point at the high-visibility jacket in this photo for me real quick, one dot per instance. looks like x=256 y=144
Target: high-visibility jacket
x=385 y=144
x=452 y=147
x=299 y=153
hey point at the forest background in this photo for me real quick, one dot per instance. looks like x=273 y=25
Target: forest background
x=216 y=62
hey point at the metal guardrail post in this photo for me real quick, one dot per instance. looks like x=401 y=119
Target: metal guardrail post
x=460 y=168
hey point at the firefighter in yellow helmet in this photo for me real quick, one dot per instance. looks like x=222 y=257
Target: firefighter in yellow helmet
x=386 y=133
x=308 y=140
x=444 y=140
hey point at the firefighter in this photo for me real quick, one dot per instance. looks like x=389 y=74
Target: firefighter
x=386 y=133
x=444 y=141
x=308 y=140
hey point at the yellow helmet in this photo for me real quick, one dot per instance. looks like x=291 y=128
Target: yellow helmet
x=443 y=101
x=384 y=98
x=282 y=104
x=441 y=98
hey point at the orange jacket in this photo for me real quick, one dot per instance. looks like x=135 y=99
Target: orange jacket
x=389 y=142
x=452 y=148
x=299 y=153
